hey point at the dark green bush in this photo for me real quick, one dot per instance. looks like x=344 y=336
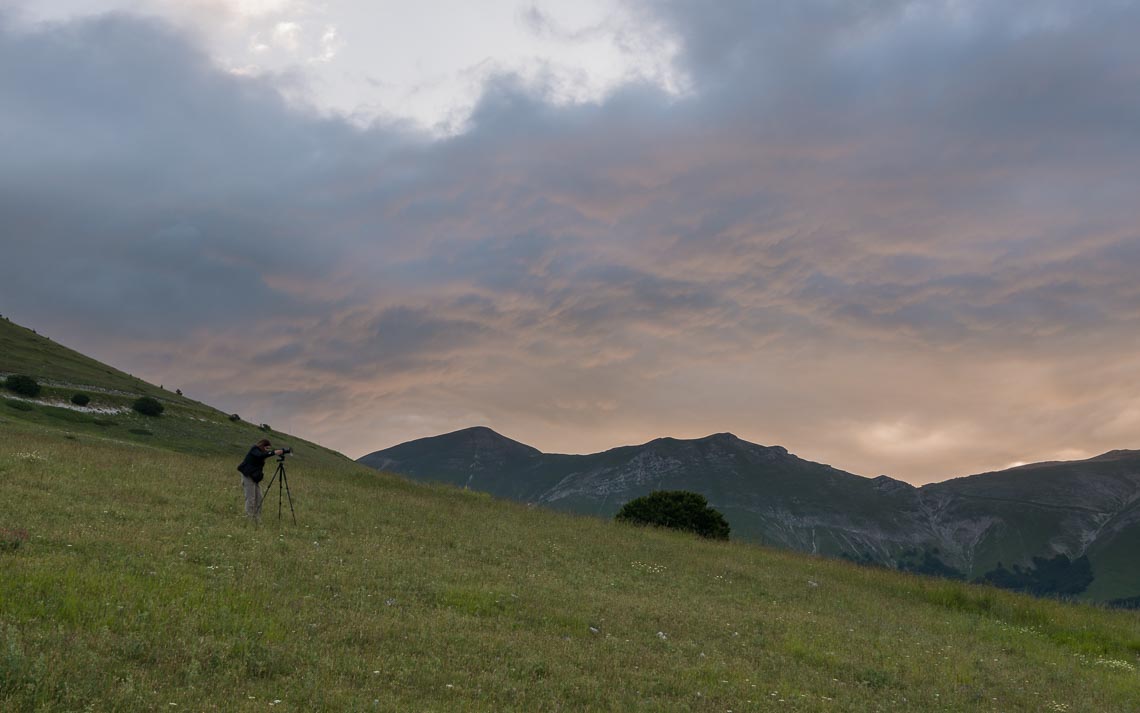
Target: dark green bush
x=1058 y=576
x=22 y=385
x=80 y=399
x=148 y=406
x=676 y=509
x=234 y=417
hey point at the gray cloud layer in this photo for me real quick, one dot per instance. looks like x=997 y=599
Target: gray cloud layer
x=895 y=236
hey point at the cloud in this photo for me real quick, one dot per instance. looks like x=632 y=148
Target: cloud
x=896 y=236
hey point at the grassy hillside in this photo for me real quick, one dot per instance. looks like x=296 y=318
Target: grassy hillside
x=24 y=351
x=130 y=580
x=140 y=585
x=186 y=425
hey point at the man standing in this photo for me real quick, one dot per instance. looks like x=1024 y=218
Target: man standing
x=251 y=475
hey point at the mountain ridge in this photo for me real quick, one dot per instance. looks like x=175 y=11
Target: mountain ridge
x=969 y=524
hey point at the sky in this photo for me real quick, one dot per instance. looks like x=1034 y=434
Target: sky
x=894 y=236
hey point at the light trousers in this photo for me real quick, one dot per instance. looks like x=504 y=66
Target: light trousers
x=252 y=497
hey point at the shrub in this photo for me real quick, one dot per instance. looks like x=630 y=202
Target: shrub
x=1058 y=576
x=234 y=417
x=676 y=509
x=265 y=427
x=931 y=565
x=148 y=406
x=20 y=405
x=80 y=399
x=22 y=385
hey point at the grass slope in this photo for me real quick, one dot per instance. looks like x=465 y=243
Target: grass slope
x=186 y=425
x=23 y=351
x=141 y=585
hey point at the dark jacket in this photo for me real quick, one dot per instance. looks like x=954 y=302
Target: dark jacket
x=253 y=463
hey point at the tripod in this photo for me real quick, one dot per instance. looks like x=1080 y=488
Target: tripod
x=282 y=484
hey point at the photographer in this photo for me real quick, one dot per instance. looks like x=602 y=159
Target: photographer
x=251 y=475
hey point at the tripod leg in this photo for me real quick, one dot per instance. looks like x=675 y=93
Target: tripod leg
x=262 y=496
x=289 y=495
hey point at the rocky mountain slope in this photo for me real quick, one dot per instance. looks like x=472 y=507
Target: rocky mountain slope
x=963 y=527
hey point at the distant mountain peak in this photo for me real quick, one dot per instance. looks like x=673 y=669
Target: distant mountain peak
x=886 y=483
x=1117 y=454
x=481 y=437
x=480 y=432
x=475 y=430
x=730 y=437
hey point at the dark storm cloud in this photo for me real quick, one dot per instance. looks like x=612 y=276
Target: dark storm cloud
x=155 y=186
x=876 y=232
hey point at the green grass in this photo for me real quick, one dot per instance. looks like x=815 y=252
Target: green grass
x=141 y=585
x=26 y=352
x=186 y=425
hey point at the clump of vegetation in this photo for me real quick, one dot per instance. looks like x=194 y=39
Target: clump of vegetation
x=19 y=405
x=265 y=427
x=23 y=385
x=931 y=565
x=80 y=399
x=148 y=406
x=1126 y=603
x=142 y=432
x=676 y=509
x=234 y=417
x=1058 y=576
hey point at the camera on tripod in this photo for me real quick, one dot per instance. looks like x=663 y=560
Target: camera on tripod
x=282 y=482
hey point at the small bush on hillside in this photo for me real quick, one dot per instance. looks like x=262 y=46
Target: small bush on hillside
x=265 y=427
x=1058 y=576
x=80 y=399
x=148 y=406
x=234 y=417
x=22 y=385
x=676 y=509
x=1126 y=603
x=930 y=565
